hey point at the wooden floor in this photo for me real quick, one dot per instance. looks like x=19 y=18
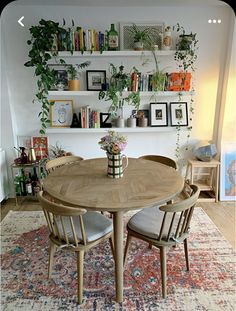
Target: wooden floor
x=223 y=214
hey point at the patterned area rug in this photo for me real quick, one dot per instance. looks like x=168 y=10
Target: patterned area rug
x=210 y=285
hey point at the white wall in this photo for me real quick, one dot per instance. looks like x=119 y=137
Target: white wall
x=212 y=41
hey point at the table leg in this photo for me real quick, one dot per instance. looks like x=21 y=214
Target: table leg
x=118 y=247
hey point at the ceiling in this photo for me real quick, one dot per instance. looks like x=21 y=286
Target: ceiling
x=120 y=3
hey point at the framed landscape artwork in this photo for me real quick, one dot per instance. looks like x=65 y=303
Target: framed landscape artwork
x=95 y=79
x=228 y=172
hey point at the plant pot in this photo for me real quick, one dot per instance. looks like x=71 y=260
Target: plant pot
x=74 y=85
x=142 y=122
x=138 y=46
x=120 y=122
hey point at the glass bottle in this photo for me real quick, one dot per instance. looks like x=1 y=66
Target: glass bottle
x=17 y=184
x=22 y=182
x=113 y=41
x=28 y=184
x=35 y=182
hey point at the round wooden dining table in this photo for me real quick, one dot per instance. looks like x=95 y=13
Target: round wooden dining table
x=85 y=184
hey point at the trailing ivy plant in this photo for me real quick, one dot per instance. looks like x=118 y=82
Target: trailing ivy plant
x=185 y=57
x=119 y=82
x=41 y=42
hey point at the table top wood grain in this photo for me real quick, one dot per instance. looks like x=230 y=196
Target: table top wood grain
x=86 y=184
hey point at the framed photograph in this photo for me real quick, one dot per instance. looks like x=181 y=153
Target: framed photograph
x=158 y=114
x=126 y=37
x=95 y=79
x=141 y=113
x=40 y=145
x=61 y=82
x=228 y=172
x=179 y=114
x=61 y=113
x=24 y=141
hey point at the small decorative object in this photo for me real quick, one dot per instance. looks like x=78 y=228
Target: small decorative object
x=142 y=117
x=32 y=155
x=131 y=121
x=95 y=79
x=205 y=151
x=167 y=40
x=104 y=120
x=158 y=114
x=57 y=151
x=120 y=122
x=113 y=39
x=61 y=112
x=179 y=114
x=73 y=72
x=114 y=144
x=75 y=121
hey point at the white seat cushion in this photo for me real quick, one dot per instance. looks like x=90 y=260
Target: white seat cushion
x=96 y=226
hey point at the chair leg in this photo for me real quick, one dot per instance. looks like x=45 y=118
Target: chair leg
x=52 y=250
x=186 y=253
x=163 y=270
x=127 y=245
x=80 y=269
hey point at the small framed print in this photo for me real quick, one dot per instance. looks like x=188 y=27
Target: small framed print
x=40 y=145
x=61 y=113
x=158 y=114
x=95 y=79
x=179 y=114
x=61 y=82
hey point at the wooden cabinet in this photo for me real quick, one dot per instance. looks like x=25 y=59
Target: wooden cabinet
x=206 y=176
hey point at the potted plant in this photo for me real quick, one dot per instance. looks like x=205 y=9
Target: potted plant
x=120 y=81
x=140 y=37
x=73 y=75
x=42 y=41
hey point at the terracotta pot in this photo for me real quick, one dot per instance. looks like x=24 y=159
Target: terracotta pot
x=74 y=85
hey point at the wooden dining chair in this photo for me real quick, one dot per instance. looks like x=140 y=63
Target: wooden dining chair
x=160 y=159
x=164 y=227
x=74 y=229
x=51 y=165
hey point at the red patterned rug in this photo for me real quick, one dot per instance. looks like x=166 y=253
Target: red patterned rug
x=210 y=284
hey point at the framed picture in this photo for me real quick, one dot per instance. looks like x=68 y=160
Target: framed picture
x=179 y=114
x=126 y=37
x=24 y=141
x=61 y=113
x=228 y=172
x=40 y=145
x=61 y=82
x=95 y=79
x=158 y=114
x=141 y=113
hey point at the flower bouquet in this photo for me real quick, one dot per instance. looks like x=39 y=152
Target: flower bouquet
x=114 y=144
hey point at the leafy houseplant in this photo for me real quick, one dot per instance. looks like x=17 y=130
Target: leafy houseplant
x=73 y=72
x=42 y=40
x=185 y=57
x=119 y=82
x=140 y=37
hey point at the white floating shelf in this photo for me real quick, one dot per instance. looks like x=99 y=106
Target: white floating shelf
x=95 y=93
x=114 y=53
x=51 y=130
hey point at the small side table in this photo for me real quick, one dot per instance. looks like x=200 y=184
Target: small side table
x=206 y=176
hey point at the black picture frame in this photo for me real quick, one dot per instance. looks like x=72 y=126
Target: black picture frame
x=61 y=81
x=179 y=113
x=95 y=79
x=104 y=118
x=158 y=114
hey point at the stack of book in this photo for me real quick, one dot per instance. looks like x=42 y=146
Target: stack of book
x=89 y=118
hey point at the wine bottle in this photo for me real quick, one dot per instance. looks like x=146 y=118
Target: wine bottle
x=113 y=41
x=28 y=184
x=35 y=182
x=22 y=182
x=17 y=184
